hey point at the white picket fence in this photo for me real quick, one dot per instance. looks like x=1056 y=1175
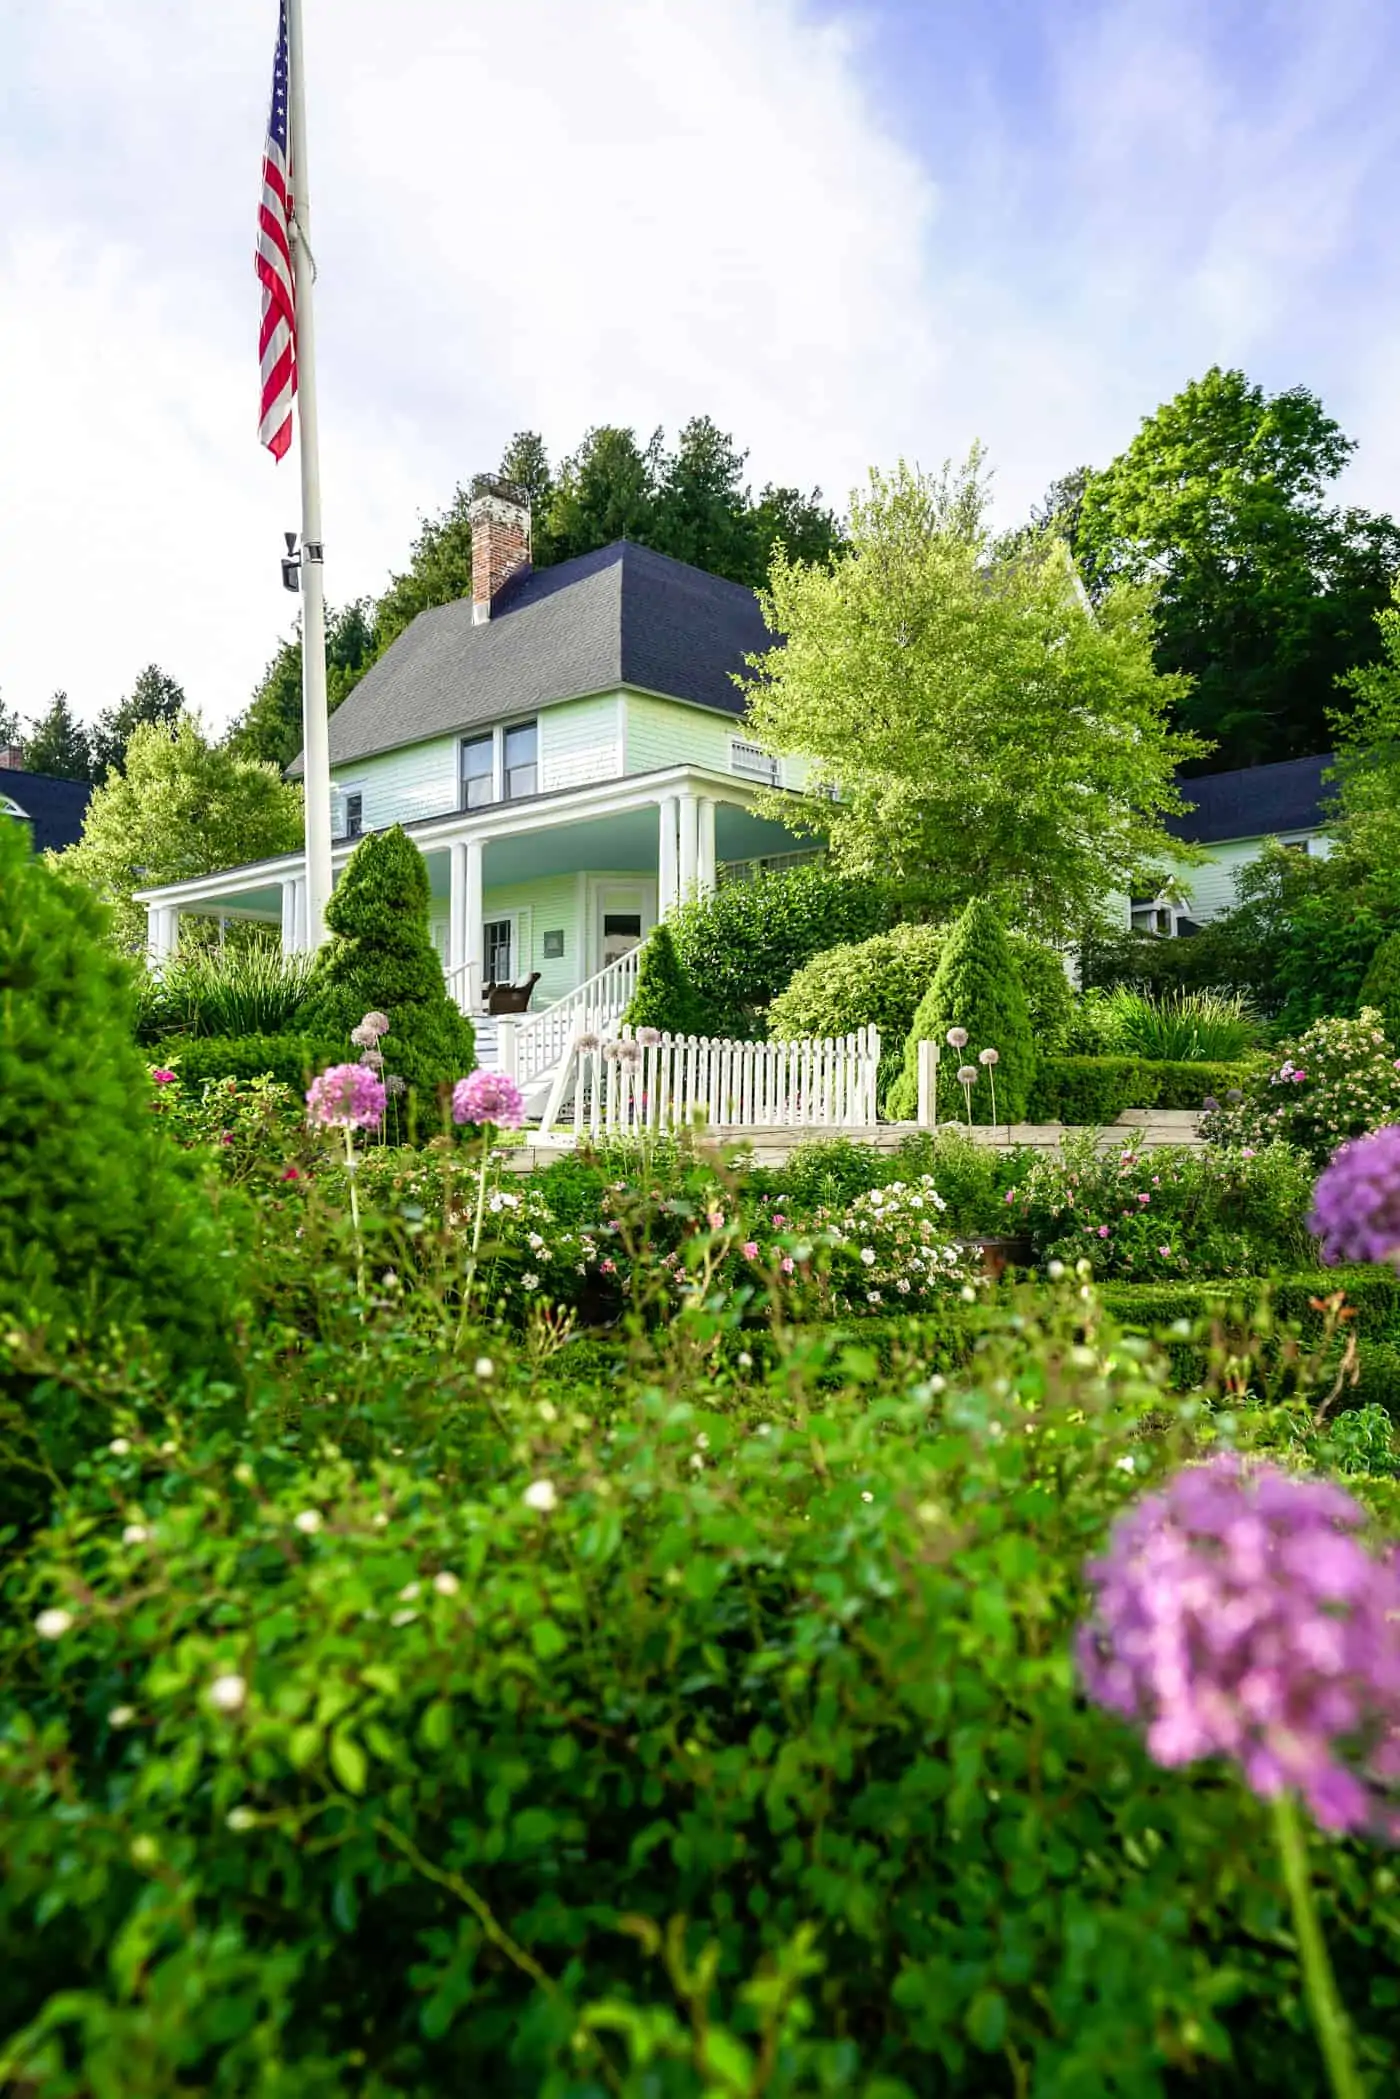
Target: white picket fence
x=667 y=1082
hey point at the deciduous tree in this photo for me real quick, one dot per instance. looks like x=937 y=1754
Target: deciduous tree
x=181 y=806
x=983 y=733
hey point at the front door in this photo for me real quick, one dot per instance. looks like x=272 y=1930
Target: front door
x=626 y=912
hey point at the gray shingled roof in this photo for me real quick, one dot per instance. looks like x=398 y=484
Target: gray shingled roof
x=622 y=616
x=1258 y=801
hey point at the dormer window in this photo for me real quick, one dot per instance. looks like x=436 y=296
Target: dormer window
x=500 y=765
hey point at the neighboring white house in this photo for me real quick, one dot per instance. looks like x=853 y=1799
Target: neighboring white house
x=568 y=750
x=1234 y=817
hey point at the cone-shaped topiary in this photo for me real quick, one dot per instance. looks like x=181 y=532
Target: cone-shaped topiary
x=665 y=997
x=381 y=958
x=977 y=987
x=106 y=1229
x=1381 y=988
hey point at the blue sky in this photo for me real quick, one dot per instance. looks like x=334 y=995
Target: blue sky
x=848 y=232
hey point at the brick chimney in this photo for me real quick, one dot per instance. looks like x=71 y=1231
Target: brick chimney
x=12 y=757
x=500 y=522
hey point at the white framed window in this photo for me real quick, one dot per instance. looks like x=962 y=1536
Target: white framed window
x=500 y=764
x=354 y=813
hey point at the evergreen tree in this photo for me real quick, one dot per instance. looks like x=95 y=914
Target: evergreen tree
x=525 y=464
x=155 y=697
x=10 y=732
x=606 y=491
x=104 y=1228
x=703 y=514
x=271 y=729
x=664 y=998
x=976 y=987
x=57 y=744
x=807 y=530
x=381 y=958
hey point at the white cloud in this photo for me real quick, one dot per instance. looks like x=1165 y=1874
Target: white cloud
x=550 y=215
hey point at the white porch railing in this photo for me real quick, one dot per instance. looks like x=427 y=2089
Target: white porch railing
x=543 y=1040
x=623 y=1087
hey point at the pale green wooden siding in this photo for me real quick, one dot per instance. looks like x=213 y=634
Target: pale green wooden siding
x=553 y=905
x=1211 y=885
x=401 y=786
x=662 y=733
x=580 y=742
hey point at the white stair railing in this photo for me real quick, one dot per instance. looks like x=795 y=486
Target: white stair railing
x=648 y=1081
x=544 y=1039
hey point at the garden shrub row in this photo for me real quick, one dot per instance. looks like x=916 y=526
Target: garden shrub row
x=291 y=1060
x=1091 y=1091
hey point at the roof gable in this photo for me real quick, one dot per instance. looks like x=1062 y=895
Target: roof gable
x=1257 y=801
x=54 y=809
x=624 y=615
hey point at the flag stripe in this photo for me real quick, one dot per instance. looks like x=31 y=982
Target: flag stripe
x=277 y=333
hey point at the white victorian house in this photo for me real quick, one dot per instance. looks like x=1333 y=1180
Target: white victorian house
x=568 y=751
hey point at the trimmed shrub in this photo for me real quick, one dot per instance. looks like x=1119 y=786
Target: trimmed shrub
x=1381 y=988
x=1093 y=1091
x=104 y=1229
x=665 y=997
x=977 y=987
x=293 y=1060
x=1051 y=1000
x=381 y=957
x=742 y=945
x=865 y=983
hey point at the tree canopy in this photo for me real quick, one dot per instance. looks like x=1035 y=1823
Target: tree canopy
x=983 y=733
x=57 y=744
x=1268 y=592
x=270 y=729
x=180 y=806
x=155 y=697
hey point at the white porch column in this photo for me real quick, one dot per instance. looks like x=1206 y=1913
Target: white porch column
x=690 y=844
x=473 y=935
x=289 y=916
x=303 y=935
x=705 y=866
x=162 y=931
x=456 y=911
x=667 y=863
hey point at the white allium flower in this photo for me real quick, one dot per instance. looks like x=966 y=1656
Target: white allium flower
x=540 y=1495
x=989 y=1056
x=587 y=1042
x=446 y=1584
x=52 y=1625
x=485 y=1367
x=957 y=1038
x=121 y=1716
x=227 y=1693
x=135 y=1534
x=649 y=1037
x=308 y=1520
x=119 y=1446
x=967 y=1074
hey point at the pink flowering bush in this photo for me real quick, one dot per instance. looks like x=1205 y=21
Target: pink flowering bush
x=1173 y=1213
x=1339 y=1080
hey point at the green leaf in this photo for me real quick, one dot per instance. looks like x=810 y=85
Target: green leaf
x=986 y=2020
x=348 y=1761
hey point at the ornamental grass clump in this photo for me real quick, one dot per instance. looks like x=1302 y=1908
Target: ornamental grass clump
x=1237 y=1614
x=976 y=997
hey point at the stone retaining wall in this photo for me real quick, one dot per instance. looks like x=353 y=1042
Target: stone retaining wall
x=1142 y=1129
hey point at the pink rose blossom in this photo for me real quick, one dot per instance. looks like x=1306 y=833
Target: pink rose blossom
x=162 y=1078
x=750 y=1249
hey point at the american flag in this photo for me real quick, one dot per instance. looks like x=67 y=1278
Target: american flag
x=277 y=345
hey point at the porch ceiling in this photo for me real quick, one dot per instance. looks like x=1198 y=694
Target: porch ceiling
x=627 y=843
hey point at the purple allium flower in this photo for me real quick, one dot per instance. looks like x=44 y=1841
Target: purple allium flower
x=989 y=1056
x=957 y=1038
x=488 y=1096
x=347 y=1097
x=1237 y=1615
x=1234 y=1096
x=1356 y=1203
x=372 y=1059
x=1210 y=1105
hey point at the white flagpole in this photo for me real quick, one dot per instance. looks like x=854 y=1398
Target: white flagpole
x=316 y=778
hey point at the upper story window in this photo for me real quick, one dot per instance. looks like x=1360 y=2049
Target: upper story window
x=522 y=760
x=354 y=814
x=500 y=765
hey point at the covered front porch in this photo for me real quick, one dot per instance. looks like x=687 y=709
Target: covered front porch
x=563 y=886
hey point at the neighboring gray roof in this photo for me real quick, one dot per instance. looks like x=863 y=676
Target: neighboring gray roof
x=54 y=809
x=1258 y=801
x=622 y=616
